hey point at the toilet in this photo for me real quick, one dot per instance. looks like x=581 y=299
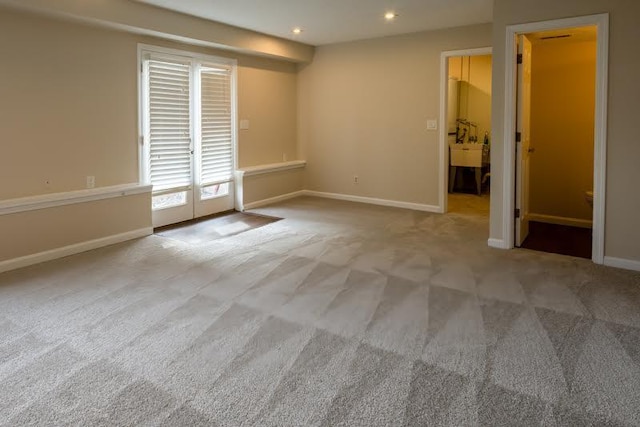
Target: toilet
x=588 y=196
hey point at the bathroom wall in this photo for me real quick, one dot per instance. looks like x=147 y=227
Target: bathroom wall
x=474 y=74
x=562 y=124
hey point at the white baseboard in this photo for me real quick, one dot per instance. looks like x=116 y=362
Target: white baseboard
x=627 y=264
x=559 y=220
x=24 y=261
x=280 y=198
x=498 y=244
x=374 y=201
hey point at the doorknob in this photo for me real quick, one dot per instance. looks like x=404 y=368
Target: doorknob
x=531 y=150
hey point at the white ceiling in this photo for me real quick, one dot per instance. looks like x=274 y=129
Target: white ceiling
x=334 y=21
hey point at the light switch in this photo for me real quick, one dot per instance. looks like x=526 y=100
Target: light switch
x=244 y=124
x=432 y=124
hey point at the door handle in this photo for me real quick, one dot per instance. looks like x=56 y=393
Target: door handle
x=531 y=150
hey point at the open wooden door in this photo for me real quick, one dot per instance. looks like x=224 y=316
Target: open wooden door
x=523 y=139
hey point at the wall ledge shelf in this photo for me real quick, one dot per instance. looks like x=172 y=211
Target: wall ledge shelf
x=272 y=167
x=51 y=200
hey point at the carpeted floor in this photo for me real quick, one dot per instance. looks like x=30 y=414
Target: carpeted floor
x=559 y=239
x=339 y=314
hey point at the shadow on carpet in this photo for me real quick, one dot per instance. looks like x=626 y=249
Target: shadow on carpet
x=206 y=229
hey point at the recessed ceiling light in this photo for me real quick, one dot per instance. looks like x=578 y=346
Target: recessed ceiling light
x=390 y=16
x=297 y=30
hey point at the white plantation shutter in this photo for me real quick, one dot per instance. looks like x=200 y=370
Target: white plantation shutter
x=169 y=126
x=216 y=123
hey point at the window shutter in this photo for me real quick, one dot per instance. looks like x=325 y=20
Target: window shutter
x=216 y=124
x=169 y=124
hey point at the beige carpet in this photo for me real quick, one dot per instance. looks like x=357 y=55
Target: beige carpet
x=340 y=314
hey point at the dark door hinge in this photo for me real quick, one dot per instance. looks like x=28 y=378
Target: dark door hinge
x=516 y=213
x=518 y=137
x=519 y=58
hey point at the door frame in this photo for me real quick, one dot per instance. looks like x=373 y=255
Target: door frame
x=601 y=21
x=442 y=137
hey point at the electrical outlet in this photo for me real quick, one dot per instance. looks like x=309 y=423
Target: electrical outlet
x=432 y=124
x=91 y=181
x=355 y=179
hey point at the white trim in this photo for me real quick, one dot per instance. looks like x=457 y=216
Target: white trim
x=627 y=264
x=240 y=174
x=497 y=243
x=345 y=197
x=560 y=220
x=45 y=201
x=601 y=21
x=275 y=199
x=600 y=139
x=508 y=151
x=141 y=74
x=443 y=147
x=238 y=183
x=272 y=167
x=374 y=201
x=76 y=248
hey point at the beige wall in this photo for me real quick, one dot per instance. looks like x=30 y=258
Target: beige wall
x=363 y=108
x=265 y=186
x=69 y=108
x=562 y=127
x=622 y=229
x=69 y=105
x=41 y=230
x=474 y=73
x=267 y=97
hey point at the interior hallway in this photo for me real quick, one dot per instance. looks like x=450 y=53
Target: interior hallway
x=339 y=314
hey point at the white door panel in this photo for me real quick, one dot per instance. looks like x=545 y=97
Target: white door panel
x=215 y=134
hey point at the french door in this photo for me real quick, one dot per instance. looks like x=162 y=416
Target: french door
x=188 y=125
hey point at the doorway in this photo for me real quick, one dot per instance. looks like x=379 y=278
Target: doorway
x=516 y=215
x=465 y=130
x=556 y=145
x=187 y=109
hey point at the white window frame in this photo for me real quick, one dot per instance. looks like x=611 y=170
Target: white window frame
x=195 y=58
